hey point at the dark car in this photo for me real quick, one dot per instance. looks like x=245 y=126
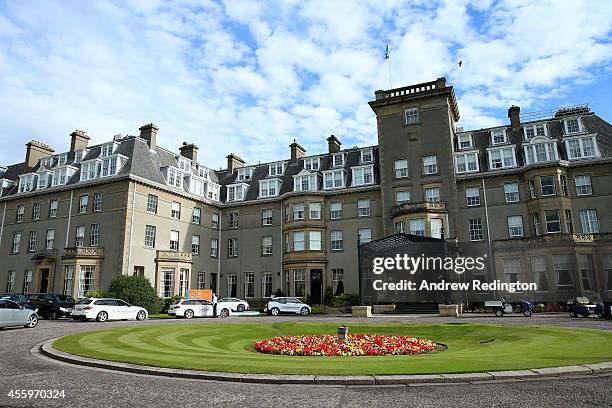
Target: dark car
x=51 y=305
x=20 y=299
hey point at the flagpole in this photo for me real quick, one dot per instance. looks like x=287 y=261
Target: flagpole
x=388 y=58
x=390 y=86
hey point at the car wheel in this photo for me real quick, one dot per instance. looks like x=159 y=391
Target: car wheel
x=304 y=311
x=188 y=314
x=102 y=317
x=240 y=308
x=32 y=321
x=141 y=315
x=499 y=313
x=274 y=311
x=224 y=313
x=527 y=313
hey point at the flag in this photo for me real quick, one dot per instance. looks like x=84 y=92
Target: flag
x=387 y=53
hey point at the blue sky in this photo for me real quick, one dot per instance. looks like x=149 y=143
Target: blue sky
x=249 y=77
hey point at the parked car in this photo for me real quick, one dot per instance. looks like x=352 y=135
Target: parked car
x=197 y=308
x=51 y=305
x=14 y=314
x=278 y=305
x=20 y=299
x=501 y=307
x=107 y=309
x=237 y=305
x=581 y=306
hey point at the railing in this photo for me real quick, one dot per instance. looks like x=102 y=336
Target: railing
x=553 y=239
x=83 y=252
x=554 y=113
x=176 y=256
x=426 y=206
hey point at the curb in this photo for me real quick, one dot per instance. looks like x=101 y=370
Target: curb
x=46 y=349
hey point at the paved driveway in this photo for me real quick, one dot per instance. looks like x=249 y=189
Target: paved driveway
x=87 y=387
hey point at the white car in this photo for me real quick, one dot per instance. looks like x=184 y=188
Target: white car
x=13 y=314
x=107 y=309
x=197 y=308
x=237 y=305
x=278 y=305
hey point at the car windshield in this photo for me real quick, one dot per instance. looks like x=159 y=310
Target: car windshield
x=84 y=302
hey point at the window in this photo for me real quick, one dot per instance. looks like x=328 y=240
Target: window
x=35 y=211
x=68 y=279
x=183 y=282
x=335 y=211
x=432 y=194
x=338 y=281
x=472 y=196
x=572 y=125
x=232 y=247
x=214 y=222
x=363 y=207
x=27 y=182
x=249 y=285
x=476 y=232
x=232 y=285
x=266 y=285
x=553 y=223
x=83 y=201
x=563 y=272
x=276 y=169
x=367 y=156
x=32 y=241
x=266 y=217
x=109 y=168
x=337 y=243
x=515 y=226
x=27 y=281
x=435 y=227
x=244 y=174
x=314 y=241
x=174 y=240
x=498 y=137
x=430 y=164
x=568 y=222
x=97 y=202
x=94 y=237
x=152 y=203
x=195 y=244
x=298 y=241
x=315 y=211
x=511 y=192
x=589 y=221
x=10 y=281
x=20 y=213
x=512 y=269
x=501 y=158
x=79 y=239
x=184 y=163
x=287 y=244
x=50 y=239
x=266 y=245
x=87 y=280
x=465 y=141
x=399 y=227
x=214 y=247
x=175 y=211
x=167 y=282
x=583 y=185
x=333 y=179
x=581 y=147
x=149 y=238
x=402 y=197
x=365 y=235
x=538 y=269
x=236 y=192
x=532 y=191
x=535 y=217
x=311 y=163
x=563 y=185
x=299 y=277
x=89 y=170
x=16 y=242
x=201 y=280
x=411 y=116
x=269 y=188
x=547 y=184
x=585 y=267
x=298 y=211
x=338 y=160
x=417 y=227
x=232 y=218
x=466 y=162
x=530 y=131
x=540 y=152
x=401 y=168
x=363 y=175
x=307 y=182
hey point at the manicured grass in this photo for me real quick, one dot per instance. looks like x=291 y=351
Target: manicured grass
x=161 y=316
x=229 y=347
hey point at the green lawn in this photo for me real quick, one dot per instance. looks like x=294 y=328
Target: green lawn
x=229 y=347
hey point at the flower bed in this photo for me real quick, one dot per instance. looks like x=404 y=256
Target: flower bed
x=356 y=345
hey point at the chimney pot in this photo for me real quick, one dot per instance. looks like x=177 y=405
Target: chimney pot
x=149 y=133
x=514 y=113
x=333 y=144
x=190 y=151
x=234 y=162
x=297 y=151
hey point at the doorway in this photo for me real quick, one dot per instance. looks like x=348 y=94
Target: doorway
x=213 y=282
x=316 y=286
x=44 y=280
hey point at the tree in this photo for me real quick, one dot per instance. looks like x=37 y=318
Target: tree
x=137 y=291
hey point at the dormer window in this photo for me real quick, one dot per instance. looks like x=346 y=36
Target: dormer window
x=276 y=169
x=90 y=170
x=466 y=162
x=338 y=160
x=27 y=182
x=269 y=188
x=61 y=175
x=213 y=191
x=305 y=181
x=111 y=165
x=79 y=154
x=531 y=131
x=312 y=163
x=465 y=141
x=367 y=156
x=333 y=179
x=236 y=192
x=581 y=147
x=572 y=125
x=502 y=158
x=203 y=172
x=498 y=136
x=174 y=177
x=46 y=161
x=62 y=159
x=184 y=164
x=196 y=185
x=107 y=149
x=244 y=174
x=44 y=178
x=363 y=175
x=541 y=150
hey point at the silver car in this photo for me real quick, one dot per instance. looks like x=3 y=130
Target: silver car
x=12 y=314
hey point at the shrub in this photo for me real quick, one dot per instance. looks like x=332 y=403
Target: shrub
x=346 y=299
x=136 y=290
x=166 y=302
x=96 y=293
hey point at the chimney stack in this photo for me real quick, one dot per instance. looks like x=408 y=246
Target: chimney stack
x=36 y=151
x=234 y=162
x=514 y=113
x=190 y=151
x=297 y=151
x=333 y=144
x=78 y=140
x=149 y=133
